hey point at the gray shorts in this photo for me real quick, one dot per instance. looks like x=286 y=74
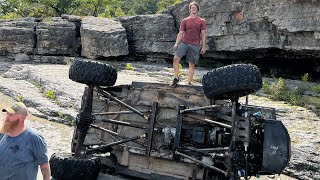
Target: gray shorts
x=192 y=52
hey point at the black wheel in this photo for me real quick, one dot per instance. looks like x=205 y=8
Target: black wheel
x=232 y=82
x=92 y=73
x=65 y=167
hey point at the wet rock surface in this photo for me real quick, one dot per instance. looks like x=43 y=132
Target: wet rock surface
x=31 y=83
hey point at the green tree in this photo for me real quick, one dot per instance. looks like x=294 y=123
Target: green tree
x=164 y=4
x=98 y=8
x=61 y=6
x=39 y=8
x=15 y=8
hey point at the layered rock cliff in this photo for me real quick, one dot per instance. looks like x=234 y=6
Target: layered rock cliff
x=280 y=36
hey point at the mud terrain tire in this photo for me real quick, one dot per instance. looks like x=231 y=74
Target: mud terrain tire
x=232 y=82
x=65 y=167
x=92 y=73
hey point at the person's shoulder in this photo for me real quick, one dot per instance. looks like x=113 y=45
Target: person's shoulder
x=33 y=132
x=202 y=19
x=186 y=19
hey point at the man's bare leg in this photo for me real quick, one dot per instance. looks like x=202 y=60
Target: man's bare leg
x=175 y=81
x=176 y=61
x=191 y=72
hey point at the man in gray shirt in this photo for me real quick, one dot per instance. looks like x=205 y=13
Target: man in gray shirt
x=22 y=149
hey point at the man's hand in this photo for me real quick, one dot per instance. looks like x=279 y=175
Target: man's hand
x=203 y=50
x=175 y=47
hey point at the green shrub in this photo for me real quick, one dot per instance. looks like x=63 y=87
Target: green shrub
x=20 y=98
x=60 y=115
x=73 y=123
x=305 y=77
x=294 y=98
x=180 y=70
x=280 y=91
x=266 y=87
x=316 y=89
x=51 y=94
x=130 y=67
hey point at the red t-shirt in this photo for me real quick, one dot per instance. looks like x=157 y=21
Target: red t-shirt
x=192 y=28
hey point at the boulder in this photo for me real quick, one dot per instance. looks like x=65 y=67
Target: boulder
x=17 y=36
x=150 y=36
x=71 y=18
x=56 y=36
x=102 y=37
x=21 y=58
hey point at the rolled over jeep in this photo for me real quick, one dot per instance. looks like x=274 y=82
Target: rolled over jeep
x=149 y=130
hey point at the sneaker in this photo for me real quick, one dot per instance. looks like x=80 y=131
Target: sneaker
x=190 y=84
x=174 y=82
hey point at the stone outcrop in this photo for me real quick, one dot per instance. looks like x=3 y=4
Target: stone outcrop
x=276 y=35
x=249 y=25
x=56 y=36
x=150 y=36
x=268 y=33
x=101 y=37
x=32 y=36
x=17 y=36
x=284 y=28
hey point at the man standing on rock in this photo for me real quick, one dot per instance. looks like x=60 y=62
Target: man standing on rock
x=22 y=149
x=190 y=42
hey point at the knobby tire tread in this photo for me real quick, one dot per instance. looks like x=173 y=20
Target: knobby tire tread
x=232 y=81
x=92 y=73
x=66 y=167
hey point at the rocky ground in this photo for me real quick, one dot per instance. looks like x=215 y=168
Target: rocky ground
x=35 y=84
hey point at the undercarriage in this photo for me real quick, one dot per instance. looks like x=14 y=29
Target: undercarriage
x=151 y=131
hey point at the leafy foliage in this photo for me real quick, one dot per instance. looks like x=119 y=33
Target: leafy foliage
x=305 y=77
x=266 y=87
x=164 y=4
x=180 y=70
x=10 y=9
x=280 y=91
x=130 y=67
x=51 y=94
x=316 y=89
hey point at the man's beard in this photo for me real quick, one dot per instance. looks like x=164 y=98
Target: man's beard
x=7 y=127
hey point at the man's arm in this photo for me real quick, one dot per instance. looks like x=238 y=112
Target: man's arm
x=179 y=37
x=45 y=170
x=203 y=36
